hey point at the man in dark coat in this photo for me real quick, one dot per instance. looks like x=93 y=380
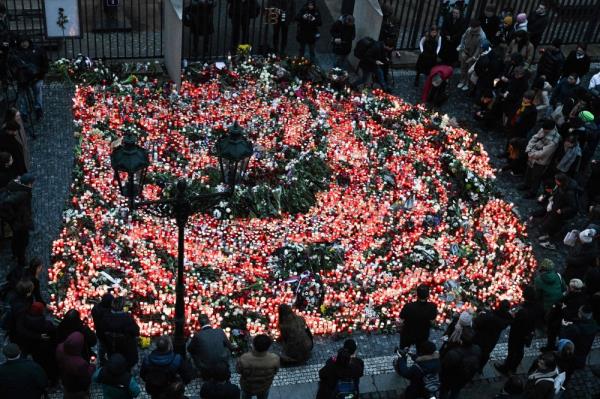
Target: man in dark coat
x=20 y=377
x=241 y=12
x=162 y=367
x=582 y=333
x=31 y=65
x=488 y=326
x=201 y=16
x=37 y=336
x=121 y=332
x=283 y=13
x=343 y=33
x=490 y=22
x=22 y=222
x=99 y=311
x=536 y=24
x=309 y=20
x=459 y=366
x=577 y=62
x=375 y=62
x=521 y=331
x=551 y=62
x=209 y=347
x=416 y=319
x=11 y=143
x=565 y=90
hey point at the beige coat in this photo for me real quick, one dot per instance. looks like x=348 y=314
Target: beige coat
x=527 y=52
x=257 y=371
x=541 y=147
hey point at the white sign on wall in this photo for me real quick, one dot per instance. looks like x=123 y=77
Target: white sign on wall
x=62 y=18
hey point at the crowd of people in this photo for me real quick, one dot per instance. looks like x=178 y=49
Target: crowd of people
x=516 y=87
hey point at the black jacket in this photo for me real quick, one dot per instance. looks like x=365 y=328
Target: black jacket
x=308 y=28
x=521 y=124
x=23 y=219
x=340 y=30
x=565 y=199
x=242 y=9
x=551 y=65
x=579 y=66
x=488 y=67
x=525 y=321
x=23 y=379
x=120 y=334
x=10 y=144
x=201 y=14
x=376 y=52
x=488 y=326
x=34 y=59
x=490 y=25
x=459 y=365
x=536 y=25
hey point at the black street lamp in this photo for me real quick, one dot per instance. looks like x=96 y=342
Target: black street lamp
x=234 y=152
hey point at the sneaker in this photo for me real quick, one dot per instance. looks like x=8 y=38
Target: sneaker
x=460 y=85
x=465 y=87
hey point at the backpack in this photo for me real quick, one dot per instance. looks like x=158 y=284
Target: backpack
x=363 y=46
x=345 y=389
x=431 y=383
x=557 y=381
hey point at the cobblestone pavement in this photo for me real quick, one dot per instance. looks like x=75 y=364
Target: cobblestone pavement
x=52 y=164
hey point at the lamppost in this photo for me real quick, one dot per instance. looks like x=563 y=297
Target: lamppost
x=233 y=151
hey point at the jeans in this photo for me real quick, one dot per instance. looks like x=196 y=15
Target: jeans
x=263 y=395
x=36 y=99
x=379 y=77
x=311 y=50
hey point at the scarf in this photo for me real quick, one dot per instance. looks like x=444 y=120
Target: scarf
x=465 y=320
x=567 y=160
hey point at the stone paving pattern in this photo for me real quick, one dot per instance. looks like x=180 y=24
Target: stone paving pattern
x=52 y=164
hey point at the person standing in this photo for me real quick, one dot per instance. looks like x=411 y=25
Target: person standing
x=416 y=319
x=561 y=207
x=209 y=347
x=540 y=150
x=75 y=371
x=257 y=368
x=343 y=33
x=537 y=24
x=374 y=63
x=295 y=337
x=458 y=366
x=13 y=115
x=99 y=311
x=32 y=67
x=10 y=142
x=22 y=222
x=339 y=377
x=219 y=386
x=285 y=11
x=21 y=377
x=551 y=62
x=469 y=49
x=549 y=285
x=426 y=365
x=429 y=45
x=521 y=44
x=309 y=20
x=200 y=19
x=121 y=332
x=241 y=12
x=72 y=323
x=488 y=325
x=490 y=22
x=453 y=27
x=581 y=332
x=540 y=382
x=521 y=331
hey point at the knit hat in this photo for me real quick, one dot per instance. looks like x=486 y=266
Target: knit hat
x=587 y=235
x=508 y=20
x=576 y=284
x=563 y=342
x=522 y=17
x=465 y=320
x=586 y=116
x=11 y=351
x=37 y=308
x=546 y=264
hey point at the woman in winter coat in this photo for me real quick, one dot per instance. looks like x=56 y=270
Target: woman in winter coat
x=200 y=16
x=470 y=49
x=336 y=369
x=430 y=46
x=520 y=44
x=72 y=323
x=309 y=20
x=453 y=27
x=13 y=114
x=75 y=371
x=116 y=380
x=295 y=337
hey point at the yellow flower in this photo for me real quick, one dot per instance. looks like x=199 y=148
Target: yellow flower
x=145 y=342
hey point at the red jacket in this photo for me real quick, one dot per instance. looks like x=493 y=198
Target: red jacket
x=446 y=72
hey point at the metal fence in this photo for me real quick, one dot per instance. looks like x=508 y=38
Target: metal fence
x=108 y=29
x=572 y=20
